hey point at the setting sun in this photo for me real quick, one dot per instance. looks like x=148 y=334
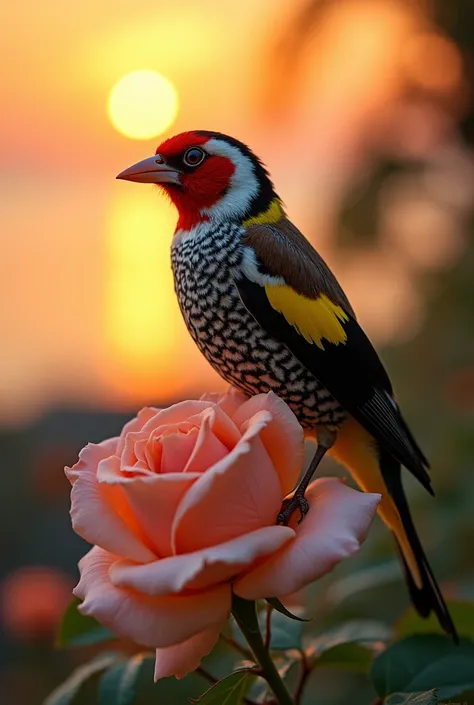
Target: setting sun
x=142 y=104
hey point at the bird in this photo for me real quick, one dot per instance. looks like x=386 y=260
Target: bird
x=270 y=316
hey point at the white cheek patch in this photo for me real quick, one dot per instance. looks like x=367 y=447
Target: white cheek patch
x=243 y=186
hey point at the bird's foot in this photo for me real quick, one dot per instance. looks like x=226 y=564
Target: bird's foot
x=289 y=506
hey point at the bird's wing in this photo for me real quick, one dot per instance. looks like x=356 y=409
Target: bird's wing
x=291 y=292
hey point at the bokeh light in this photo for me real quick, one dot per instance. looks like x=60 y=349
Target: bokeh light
x=433 y=62
x=32 y=601
x=142 y=104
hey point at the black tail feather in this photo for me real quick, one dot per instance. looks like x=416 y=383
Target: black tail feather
x=428 y=598
x=412 y=440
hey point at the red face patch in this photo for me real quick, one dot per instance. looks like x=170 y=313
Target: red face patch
x=201 y=187
x=180 y=143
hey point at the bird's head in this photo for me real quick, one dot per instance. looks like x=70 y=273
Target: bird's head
x=208 y=176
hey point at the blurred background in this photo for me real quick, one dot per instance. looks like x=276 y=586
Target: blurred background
x=363 y=111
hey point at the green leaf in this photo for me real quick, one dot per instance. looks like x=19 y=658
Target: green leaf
x=420 y=663
x=77 y=629
x=461 y=612
x=350 y=657
x=67 y=691
x=349 y=645
x=168 y=691
x=364 y=631
x=279 y=607
x=355 y=630
x=229 y=691
x=285 y=633
x=118 y=685
x=426 y=698
x=366 y=579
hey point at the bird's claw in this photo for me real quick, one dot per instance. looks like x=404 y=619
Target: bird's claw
x=289 y=506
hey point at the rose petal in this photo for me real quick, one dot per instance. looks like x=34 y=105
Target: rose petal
x=99 y=514
x=208 y=449
x=201 y=569
x=176 y=450
x=180 y=659
x=337 y=523
x=154 y=502
x=283 y=437
x=229 y=402
x=128 y=457
x=176 y=413
x=111 y=471
x=151 y=621
x=135 y=425
x=140 y=448
x=239 y=494
x=192 y=412
x=90 y=456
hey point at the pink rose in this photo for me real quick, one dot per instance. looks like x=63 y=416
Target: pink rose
x=184 y=503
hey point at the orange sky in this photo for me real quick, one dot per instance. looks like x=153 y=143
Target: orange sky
x=77 y=322
x=87 y=308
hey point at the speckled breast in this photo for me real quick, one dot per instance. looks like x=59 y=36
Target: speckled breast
x=205 y=262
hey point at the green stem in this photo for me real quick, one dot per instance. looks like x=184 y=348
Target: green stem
x=245 y=614
x=304 y=673
x=268 y=626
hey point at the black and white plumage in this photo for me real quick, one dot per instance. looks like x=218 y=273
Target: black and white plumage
x=207 y=262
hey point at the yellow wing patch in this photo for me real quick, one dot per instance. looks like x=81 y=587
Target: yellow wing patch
x=314 y=319
x=273 y=214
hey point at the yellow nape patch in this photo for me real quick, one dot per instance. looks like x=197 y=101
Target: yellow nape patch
x=273 y=214
x=314 y=319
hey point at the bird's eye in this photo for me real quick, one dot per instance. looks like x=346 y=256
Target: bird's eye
x=194 y=156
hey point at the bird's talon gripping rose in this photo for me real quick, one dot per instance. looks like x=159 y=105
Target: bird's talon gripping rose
x=182 y=506
x=297 y=502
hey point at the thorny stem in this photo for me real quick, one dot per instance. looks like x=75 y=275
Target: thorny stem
x=268 y=626
x=262 y=656
x=304 y=673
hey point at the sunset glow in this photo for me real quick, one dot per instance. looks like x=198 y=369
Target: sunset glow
x=142 y=104
x=148 y=353
x=96 y=291
x=141 y=309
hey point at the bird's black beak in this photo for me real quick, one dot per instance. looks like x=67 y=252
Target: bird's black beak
x=151 y=170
